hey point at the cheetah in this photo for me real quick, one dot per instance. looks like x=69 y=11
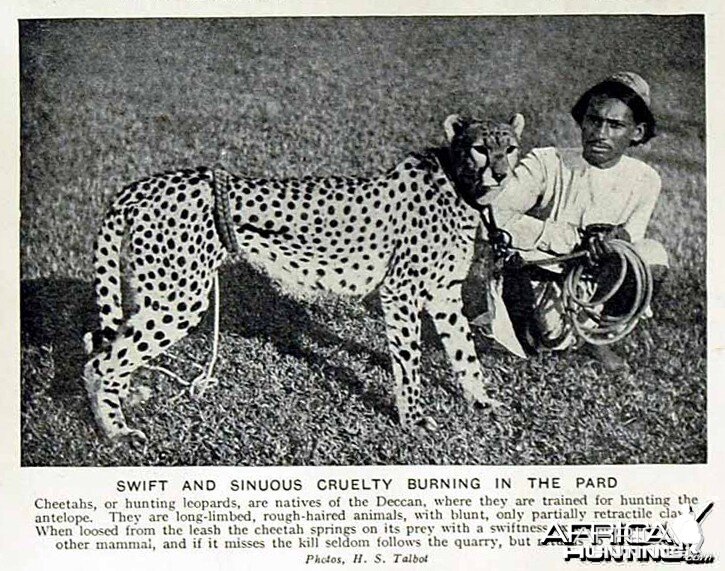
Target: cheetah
x=409 y=233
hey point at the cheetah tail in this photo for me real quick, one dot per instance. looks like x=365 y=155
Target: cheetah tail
x=108 y=280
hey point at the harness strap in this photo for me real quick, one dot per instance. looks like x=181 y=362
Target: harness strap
x=222 y=217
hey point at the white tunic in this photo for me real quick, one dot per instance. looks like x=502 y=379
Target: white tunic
x=549 y=196
x=554 y=191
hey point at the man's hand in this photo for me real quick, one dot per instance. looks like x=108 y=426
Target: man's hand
x=595 y=238
x=500 y=241
x=558 y=237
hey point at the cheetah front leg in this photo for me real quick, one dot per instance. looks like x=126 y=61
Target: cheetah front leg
x=446 y=308
x=402 y=319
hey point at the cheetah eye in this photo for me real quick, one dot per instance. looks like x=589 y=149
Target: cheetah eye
x=480 y=149
x=511 y=149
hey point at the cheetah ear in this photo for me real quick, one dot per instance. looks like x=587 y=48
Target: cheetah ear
x=453 y=125
x=518 y=122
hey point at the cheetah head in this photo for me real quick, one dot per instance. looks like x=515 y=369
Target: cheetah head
x=482 y=153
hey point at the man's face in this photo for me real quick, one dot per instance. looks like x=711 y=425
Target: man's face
x=608 y=128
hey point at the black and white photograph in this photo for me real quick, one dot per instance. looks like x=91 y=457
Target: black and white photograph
x=357 y=241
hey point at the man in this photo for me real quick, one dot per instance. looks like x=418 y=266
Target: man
x=554 y=195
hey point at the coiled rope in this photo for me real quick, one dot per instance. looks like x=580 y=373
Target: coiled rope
x=583 y=296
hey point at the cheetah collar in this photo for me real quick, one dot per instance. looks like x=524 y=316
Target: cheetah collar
x=467 y=183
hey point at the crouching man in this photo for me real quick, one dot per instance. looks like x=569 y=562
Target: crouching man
x=556 y=197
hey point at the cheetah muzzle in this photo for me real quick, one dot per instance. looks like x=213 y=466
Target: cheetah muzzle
x=409 y=232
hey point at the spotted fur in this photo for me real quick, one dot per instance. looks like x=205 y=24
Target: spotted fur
x=409 y=232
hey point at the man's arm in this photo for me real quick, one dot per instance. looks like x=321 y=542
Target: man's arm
x=526 y=188
x=649 y=188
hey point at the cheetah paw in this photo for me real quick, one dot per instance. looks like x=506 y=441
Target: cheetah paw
x=423 y=425
x=427 y=424
x=479 y=398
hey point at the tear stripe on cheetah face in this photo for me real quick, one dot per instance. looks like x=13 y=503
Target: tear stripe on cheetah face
x=482 y=153
x=407 y=231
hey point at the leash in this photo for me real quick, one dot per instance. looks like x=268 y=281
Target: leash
x=582 y=295
x=581 y=300
x=220 y=184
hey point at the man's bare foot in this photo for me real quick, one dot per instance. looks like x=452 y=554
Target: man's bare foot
x=610 y=360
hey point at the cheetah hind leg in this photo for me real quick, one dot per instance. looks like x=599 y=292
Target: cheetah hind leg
x=108 y=373
x=206 y=379
x=107 y=411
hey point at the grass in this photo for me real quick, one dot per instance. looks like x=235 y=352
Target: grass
x=308 y=381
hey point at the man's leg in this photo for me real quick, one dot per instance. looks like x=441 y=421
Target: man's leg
x=533 y=299
x=655 y=256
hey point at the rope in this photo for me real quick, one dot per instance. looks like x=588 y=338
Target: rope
x=222 y=216
x=207 y=380
x=582 y=297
